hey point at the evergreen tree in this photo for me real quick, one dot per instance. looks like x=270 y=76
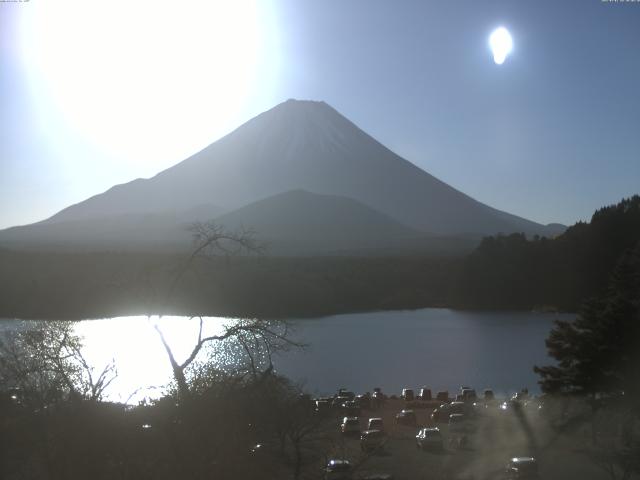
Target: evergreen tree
x=599 y=352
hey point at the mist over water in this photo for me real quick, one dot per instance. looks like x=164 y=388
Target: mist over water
x=438 y=348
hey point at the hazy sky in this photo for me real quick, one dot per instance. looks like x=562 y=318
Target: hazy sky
x=99 y=93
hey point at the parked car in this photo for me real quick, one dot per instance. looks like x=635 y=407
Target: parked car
x=343 y=392
x=377 y=399
x=350 y=408
x=459 y=424
x=339 y=400
x=338 y=470
x=408 y=395
x=534 y=405
x=322 y=405
x=521 y=396
x=521 y=468
x=469 y=395
x=364 y=401
x=442 y=396
x=375 y=423
x=372 y=440
x=425 y=394
x=429 y=438
x=480 y=408
x=350 y=425
x=407 y=417
x=441 y=413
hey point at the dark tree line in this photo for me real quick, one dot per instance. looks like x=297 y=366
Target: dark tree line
x=514 y=272
x=99 y=285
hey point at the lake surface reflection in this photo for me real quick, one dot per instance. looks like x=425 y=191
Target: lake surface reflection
x=439 y=348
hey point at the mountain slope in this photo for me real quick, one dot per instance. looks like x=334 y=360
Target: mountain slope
x=128 y=231
x=310 y=146
x=293 y=223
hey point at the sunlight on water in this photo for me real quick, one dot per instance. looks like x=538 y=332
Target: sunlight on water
x=134 y=345
x=440 y=348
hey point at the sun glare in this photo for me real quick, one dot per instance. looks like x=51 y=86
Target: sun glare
x=501 y=44
x=146 y=79
x=140 y=359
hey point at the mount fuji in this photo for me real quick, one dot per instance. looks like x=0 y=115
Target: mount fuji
x=334 y=169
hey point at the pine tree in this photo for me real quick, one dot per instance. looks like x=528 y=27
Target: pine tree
x=599 y=351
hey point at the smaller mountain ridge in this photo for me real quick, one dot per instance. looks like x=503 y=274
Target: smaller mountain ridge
x=299 y=221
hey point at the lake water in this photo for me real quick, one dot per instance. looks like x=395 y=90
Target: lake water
x=439 y=348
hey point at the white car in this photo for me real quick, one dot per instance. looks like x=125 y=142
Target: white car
x=407 y=394
x=429 y=438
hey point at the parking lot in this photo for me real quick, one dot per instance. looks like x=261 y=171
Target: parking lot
x=495 y=435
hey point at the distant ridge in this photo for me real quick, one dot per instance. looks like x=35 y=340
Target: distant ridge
x=303 y=222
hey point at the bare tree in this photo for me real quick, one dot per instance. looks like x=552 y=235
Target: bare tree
x=256 y=337
x=292 y=435
x=44 y=362
x=259 y=339
x=211 y=239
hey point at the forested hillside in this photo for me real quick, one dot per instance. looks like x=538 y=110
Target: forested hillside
x=514 y=272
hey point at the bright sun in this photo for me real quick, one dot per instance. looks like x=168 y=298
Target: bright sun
x=145 y=78
x=501 y=44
